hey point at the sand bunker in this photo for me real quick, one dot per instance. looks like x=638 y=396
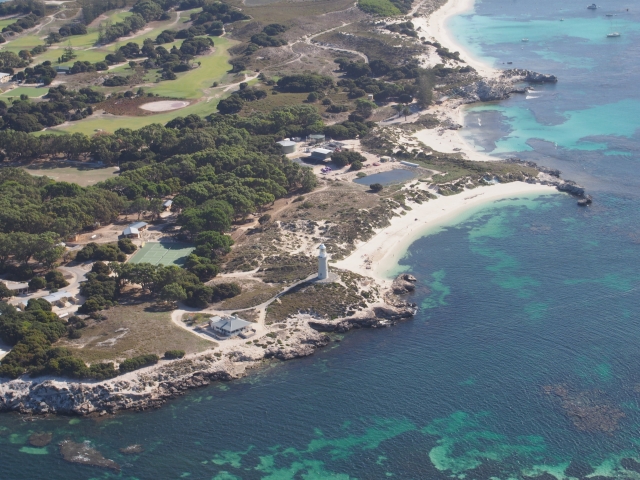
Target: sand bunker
x=163 y=105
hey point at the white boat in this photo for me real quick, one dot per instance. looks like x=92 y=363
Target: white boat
x=613 y=35
x=593 y=6
x=525 y=39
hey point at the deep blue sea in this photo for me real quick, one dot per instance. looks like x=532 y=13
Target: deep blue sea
x=518 y=298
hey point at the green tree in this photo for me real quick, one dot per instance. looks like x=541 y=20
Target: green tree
x=5 y=292
x=139 y=206
x=365 y=107
x=173 y=293
x=49 y=256
x=155 y=207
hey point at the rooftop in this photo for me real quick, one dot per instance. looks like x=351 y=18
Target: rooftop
x=130 y=231
x=54 y=297
x=229 y=324
x=2 y=75
x=286 y=143
x=323 y=151
x=138 y=225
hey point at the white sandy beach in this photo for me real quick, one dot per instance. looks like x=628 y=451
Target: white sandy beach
x=389 y=245
x=434 y=27
x=450 y=141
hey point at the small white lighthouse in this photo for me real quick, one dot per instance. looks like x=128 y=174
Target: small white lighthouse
x=323 y=263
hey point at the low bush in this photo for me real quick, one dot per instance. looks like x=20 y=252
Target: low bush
x=141 y=361
x=173 y=354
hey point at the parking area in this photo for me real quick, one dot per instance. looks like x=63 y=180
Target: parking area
x=165 y=253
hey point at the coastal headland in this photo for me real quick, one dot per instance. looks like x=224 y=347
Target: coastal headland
x=272 y=263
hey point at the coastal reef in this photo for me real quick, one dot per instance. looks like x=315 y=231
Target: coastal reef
x=587 y=410
x=85 y=454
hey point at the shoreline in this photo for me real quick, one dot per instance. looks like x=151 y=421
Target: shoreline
x=446 y=140
x=442 y=139
x=435 y=26
x=152 y=386
x=391 y=243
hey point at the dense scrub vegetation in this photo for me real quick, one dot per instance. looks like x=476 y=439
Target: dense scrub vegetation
x=24 y=23
x=380 y=8
x=270 y=36
x=31 y=334
x=37 y=205
x=92 y=9
x=63 y=105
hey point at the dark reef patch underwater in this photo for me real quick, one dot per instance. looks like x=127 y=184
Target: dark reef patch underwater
x=523 y=360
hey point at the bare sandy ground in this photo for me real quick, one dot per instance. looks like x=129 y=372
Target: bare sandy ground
x=164 y=105
x=378 y=257
x=450 y=141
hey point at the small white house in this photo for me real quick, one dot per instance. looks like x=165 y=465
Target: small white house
x=229 y=326
x=167 y=204
x=133 y=230
x=4 y=77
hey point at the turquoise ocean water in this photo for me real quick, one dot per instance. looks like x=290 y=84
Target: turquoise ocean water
x=524 y=359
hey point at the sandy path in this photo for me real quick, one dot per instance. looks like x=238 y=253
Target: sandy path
x=390 y=244
x=308 y=40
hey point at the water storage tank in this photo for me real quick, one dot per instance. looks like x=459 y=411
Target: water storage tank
x=287 y=146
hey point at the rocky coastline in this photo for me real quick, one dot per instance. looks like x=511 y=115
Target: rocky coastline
x=151 y=387
x=501 y=88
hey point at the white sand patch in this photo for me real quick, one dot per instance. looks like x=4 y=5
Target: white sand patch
x=378 y=256
x=164 y=105
x=450 y=141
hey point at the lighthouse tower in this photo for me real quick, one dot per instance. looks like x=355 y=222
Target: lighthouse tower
x=323 y=263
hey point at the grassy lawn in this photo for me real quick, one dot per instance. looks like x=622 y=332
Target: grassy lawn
x=131 y=330
x=190 y=84
x=156 y=253
x=82 y=176
x=31 y=91
x=7 y=21
x=111 y=123
x=21 y=43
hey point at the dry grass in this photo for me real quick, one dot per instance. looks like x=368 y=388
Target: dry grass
x=267 y=104
x=62 y=172
x=193 y=319
x=253 y=294
x=133 y=330
x=347 y=298
x=283 y=12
